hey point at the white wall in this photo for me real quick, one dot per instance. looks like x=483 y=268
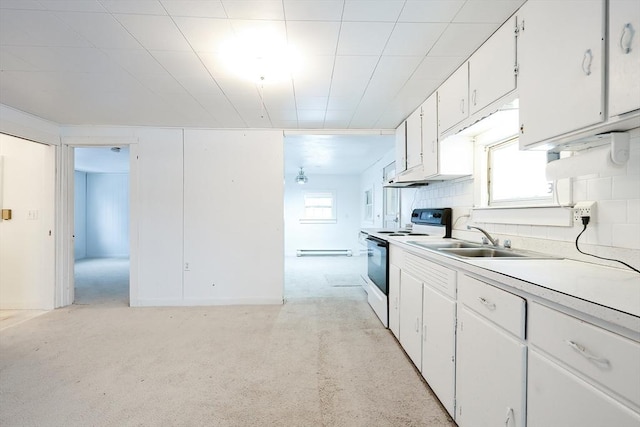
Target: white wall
x=80 y=215
x=194 y=191
x=107 y=215
x=27 y=249
x=343 y=234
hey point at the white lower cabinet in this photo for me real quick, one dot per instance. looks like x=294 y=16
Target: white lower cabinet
x=439 y=345
x=580 y=374
x=394 y=299
x=411 y=317
x=490 y=362
x=556 y=397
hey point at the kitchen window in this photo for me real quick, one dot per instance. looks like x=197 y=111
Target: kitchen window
x=517 y=178
x=319 y=207
x=368 y=205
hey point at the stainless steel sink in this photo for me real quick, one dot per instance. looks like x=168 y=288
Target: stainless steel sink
x=462 y=249
x=446 y=245
x=484 y=253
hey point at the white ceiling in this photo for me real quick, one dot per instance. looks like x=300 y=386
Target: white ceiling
x=366 y=64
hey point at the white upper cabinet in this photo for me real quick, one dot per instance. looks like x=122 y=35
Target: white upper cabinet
x=430 y=136
x=492 y=68
x=561 y=67
x=414 y=139
x=453 y=99
x=401 y=148
x=624 y=56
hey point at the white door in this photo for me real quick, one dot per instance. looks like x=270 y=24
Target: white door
x=430 y=147
x=453 y=99
x=414 y=139
x=27 y=245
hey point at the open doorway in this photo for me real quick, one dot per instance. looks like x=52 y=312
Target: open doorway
x=101 y=225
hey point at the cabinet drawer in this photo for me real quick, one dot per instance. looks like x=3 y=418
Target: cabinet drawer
x=431 y=274
x=501 y=307
x=606 y=357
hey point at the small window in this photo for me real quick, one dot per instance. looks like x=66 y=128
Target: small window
x=319 y=207
x=517 y=177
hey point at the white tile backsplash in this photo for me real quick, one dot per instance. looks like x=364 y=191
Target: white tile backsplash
x=615 y=233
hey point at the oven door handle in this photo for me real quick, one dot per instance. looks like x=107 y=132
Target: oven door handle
x=380 y=243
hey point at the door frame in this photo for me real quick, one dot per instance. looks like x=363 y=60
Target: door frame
x=65 y=243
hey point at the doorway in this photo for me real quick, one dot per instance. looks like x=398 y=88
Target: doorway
x=101 y=225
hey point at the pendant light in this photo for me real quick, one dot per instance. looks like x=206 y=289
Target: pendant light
x=301 y=178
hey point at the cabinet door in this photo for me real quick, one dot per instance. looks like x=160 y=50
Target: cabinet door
x=414 y=139
x=430 y=136
x=439 y=345
x=411 y=317
x=561 y=62
x=453 y=99
x=624 y=56
x=490 y=374
x=492 y=68
x=401 y=148
x=394 y=300
x=558 y=398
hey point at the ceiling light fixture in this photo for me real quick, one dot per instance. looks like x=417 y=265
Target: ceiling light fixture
x=262 y=57
x=301 y=178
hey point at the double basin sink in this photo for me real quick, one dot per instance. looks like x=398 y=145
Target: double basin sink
x=462 y=249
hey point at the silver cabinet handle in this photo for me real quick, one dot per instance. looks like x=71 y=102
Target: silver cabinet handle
x=491 y=306
x=625 y=43
x=417 y=325
x=424 y=333
x=586 y=62
x=474 y=96
x=509 y=417
x=462 y=105
x=582 y=350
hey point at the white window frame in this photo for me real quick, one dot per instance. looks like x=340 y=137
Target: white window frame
x=368 y=204
x=319 y=194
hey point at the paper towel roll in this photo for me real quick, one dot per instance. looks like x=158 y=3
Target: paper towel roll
x=596 y=160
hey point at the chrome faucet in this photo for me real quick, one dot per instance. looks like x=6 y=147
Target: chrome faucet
x=493 y=241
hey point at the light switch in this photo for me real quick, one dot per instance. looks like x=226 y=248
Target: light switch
x=6 y=214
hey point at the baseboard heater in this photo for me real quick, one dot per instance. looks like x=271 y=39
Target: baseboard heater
x=320 y=252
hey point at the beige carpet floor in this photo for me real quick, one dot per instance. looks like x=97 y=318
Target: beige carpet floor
x=321 y=359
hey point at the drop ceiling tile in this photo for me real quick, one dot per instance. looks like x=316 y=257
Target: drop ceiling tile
x=161 y=84
x=311 y=115
x=372 y=10
x=442 y=11
x=11 y=62
x=363 y=38
x=254 y=9
x=354 y=68
x=438 y=67
x=37 y=28
x=216 y=65
x=314 y=79
x=394 y=71
x=135 y=7
x=413 y=38
x=74 y=6
x=21 y=4
x=60 y=59
x=135 y=61
x=311 y=102
x=310 y=124
x=313 y=10
x=281 y=100
x=154 y=32
x=344 y=103
x=313 y=38
x=278 y=114
x=258 y=119
x=205 y=34
x=493 y=11
x=181 y=64
x=462 y=39
x=195 y=8
x=100 y=29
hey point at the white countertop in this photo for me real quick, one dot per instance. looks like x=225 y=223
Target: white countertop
x=606 y=293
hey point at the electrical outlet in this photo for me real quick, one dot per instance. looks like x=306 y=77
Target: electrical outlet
x=581 y=209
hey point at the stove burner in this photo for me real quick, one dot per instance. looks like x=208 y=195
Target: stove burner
x=417 y=234
x=398 y=234
x=386 y=232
